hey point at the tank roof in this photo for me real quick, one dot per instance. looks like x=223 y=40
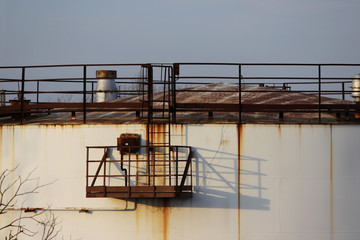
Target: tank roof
x=199 y=105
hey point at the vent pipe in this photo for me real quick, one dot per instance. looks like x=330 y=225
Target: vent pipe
x=106 y=87
x=356 y=88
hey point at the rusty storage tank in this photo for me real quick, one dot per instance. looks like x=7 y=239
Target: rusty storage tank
x=106 y=87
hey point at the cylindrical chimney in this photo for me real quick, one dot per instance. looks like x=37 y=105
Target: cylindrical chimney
x=106 y=87
x=356 y=88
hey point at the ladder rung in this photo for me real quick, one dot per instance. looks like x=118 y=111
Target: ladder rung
x=159 y=165
x=160 y=109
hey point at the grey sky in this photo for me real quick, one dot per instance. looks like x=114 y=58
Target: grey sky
x=36 y=32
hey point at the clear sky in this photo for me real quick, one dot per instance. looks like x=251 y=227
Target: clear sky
x=34 y=32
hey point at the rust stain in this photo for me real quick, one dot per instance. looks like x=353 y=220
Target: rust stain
x=157 y=216
x=137 y=169
x=157 y=128
x=13 y=148
x=224 y=142
x=174 y=127
x=151 y=126
x=182 y=134
x=1 y=146
x=331 y=187
x=165 y=219
x=279 y=131
x=137 y=214
x=239 y=147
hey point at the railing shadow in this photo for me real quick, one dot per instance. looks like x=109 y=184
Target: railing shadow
x=217 y=183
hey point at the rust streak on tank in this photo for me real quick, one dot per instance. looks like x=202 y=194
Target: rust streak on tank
x=165 y=219
x=331 y=187
x=279 y=131
x=182 y=134
x=13 y=148
x=137 y=169
x=157 y=128
x=1 y=145
x=239 y=147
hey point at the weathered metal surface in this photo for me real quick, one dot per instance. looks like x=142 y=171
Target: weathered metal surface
x=251 y=180
x=163 y=89
x=128 y=142
x=258 y=103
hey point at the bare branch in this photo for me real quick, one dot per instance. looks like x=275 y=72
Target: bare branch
x=11 y=190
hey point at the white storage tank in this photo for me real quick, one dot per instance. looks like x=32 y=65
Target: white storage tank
x=106 y=87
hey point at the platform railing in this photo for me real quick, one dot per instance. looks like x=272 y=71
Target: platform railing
x=47 y=89
x=139 y=171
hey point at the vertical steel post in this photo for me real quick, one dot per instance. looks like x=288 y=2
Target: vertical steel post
x=343 y=90
x=240 y=90
x=129 y=166
x=92 y=92
x=37 y=91
x=175 y=71
x=150 y=93
x=170 y=150
x=319 y=89
x=84 y=93
x=104 y=180
x=87 y=166
x=22 y=94
x=177 y=167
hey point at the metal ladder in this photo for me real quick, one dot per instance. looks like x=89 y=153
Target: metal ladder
x=159 y=86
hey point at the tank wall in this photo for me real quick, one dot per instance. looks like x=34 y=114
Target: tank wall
x=250 y=182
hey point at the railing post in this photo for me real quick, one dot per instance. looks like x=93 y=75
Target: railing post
x=177 y=167
x=319 y=89
x=84 y=93
x=104 y=180
x=150 y=93
x=343 y=90
x=175 y=71
x=37 y=91
x=240 y=90
x=87 y=166
x=22 y=94
x=92 y=92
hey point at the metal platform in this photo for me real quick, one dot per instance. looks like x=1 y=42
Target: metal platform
x=139 y=192
x=160 y=171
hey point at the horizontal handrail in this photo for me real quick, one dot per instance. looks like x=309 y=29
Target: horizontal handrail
x=75 y=83
x=130 y=165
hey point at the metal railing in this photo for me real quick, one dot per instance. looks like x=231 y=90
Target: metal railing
x=73 y=88
x=140 y=167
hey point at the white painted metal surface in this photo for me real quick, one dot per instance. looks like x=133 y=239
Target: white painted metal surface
x=105 y=85
x=356 y=88
x=295 y=182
